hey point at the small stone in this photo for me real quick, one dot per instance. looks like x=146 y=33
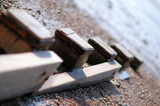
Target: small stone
x=38 y=11
x=5 y=6
x=105 y=100
x=118 y=85
x=119 y=104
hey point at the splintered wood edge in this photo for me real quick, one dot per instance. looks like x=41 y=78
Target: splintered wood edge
x=73 y=40
x=79 y=77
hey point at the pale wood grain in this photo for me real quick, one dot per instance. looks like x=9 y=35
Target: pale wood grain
x=80 y=77
x=25 y=72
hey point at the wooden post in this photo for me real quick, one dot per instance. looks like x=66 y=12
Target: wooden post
x=102 y=52
x=27 y=28
x=137 y=61
x=124 y=57
x=79 y=77
x=71 y=48
x=10 y=42
x=24 y=73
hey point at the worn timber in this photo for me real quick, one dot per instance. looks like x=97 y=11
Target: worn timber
x=71 y=48
x=137 y=61
x=10 y=42
x=27 y=27
x=124 y=57
x=24 y=73
x=80 y=77
x=102 y=52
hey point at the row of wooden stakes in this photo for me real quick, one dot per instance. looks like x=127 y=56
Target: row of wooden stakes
x=30 y=55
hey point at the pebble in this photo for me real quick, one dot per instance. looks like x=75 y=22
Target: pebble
x=5 y=6
x=38 y=11
x=118 y=84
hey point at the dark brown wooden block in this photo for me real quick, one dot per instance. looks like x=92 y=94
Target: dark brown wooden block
x=137 y=61
x=102 y=52
x=7 y=37
x=10 y=42
x=19 y=46
x=28 y=28
x=124 y=57
x=71 y=48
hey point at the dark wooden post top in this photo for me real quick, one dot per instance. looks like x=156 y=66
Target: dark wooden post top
x=27 y=27
x=74 y=41
x=122 y=52
x=102 y=48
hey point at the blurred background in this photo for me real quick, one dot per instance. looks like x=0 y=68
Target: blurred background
x=133 y=23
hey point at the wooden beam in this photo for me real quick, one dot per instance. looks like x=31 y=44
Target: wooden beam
x=102 y=52
x=10 y=42
x=124 y=57
x=25 y=72
x=27 y=27
x=137 y=61
x=71 y=48
x=80 y=77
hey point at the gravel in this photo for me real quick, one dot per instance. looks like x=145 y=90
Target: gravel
x=140 y=89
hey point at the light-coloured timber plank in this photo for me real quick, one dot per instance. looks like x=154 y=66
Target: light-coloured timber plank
x=67 y=31
x=25 y=72
x=80 y=77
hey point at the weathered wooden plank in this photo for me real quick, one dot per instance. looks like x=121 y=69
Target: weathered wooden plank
x=73 y=40
x=102 y=52
x=7 y=37
x=25 y=72
x=19 y=46
x=10 y=42
x=124 y=57
x=27 y=27
x=80 y=77
x=71 y=48
x=137 y=61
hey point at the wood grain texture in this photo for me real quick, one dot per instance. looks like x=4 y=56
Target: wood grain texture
x=122 y=52
x=124 y=57
x=7 y=37
x=137 y=61
x=19 y=46
x=25 y=72
x=10 y=42
x=27 y=27
x=102 y=52
x=102 y=48
x=80 y=77
x=71 y=48
x=73 y=40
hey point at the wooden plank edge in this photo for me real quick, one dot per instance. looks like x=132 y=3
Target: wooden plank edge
x=79 y=78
